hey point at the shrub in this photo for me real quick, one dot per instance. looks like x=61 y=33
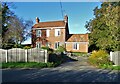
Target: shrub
x=17 y=46
x=48 y=49
x=99 y=58
x=61 y=49
x=26 y=47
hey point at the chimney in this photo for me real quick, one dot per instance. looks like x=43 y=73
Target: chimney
x=37 y=20
x=66 y=19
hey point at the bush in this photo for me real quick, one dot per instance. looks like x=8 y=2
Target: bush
x=26 y=47
x=99 y=58
x=17 y=46
x=61 y=49
x=48 y=49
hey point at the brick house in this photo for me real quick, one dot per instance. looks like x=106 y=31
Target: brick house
x=56 y=33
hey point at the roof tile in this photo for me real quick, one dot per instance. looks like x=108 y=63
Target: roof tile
x=49 y=24
x=78 y=38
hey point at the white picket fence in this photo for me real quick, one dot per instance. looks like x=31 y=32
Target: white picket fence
x=23 y=55
x=115 y=57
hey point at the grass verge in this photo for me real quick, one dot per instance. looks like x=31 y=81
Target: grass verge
x=27 y=65
x=79 y=53
x=111 y=67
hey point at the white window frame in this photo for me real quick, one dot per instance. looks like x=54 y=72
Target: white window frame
x=48 y=44
x=76 y=46
x=47 y=33
x=38 y=44
x=57 y=32
x=57 y=44
x=38 y=33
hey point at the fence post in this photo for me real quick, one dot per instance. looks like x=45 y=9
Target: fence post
x=111 y=56
x=6 y=55
x=26 y=56
x=46 y=56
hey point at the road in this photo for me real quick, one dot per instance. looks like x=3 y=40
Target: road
x=72 y=71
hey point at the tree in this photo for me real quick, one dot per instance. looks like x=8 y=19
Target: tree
x=14 y=29
x=104 y=27
x=0 y=26
x=18 y=31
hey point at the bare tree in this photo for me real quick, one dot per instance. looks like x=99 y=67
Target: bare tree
x=18 y=31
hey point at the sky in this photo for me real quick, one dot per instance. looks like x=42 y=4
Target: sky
x=78 y=13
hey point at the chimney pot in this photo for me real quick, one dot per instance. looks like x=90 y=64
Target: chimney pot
x=66 y=18
x=37 y=20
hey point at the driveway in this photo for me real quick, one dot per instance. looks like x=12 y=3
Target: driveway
x=71 y=71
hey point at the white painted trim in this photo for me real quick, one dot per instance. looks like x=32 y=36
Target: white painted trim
x=6 y=56
x=49 y=28
x=78 y=45
x=26 y=56
x=46 y=56
x=38 y=33
x=47 y=32
x=56 y=32
x=39 y=44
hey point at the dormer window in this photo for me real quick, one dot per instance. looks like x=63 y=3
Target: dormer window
x=38 y=33
x=57 y=32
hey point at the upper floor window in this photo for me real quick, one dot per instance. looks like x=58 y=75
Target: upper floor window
x=57 y=32
x=47 y=33
x=76 y=46
x=38 y=33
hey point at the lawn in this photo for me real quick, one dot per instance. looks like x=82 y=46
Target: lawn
x=27 y=65
x=79 y=53
x=109 y=67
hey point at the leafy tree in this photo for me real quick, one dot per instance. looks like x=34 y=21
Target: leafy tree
x=104 y=27
x=0 y=26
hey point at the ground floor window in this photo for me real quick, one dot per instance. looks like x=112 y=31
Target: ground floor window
x=47 y=44
x=76 y=46
x=38 y=45
x=57 y=44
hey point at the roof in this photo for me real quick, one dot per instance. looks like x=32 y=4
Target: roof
x=78 y=38
x=49 y=24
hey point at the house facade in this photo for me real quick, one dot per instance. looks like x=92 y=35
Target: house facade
x=77 y=43
x=56 y=33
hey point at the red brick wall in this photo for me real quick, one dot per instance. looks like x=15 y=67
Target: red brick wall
x=82 y=47
x=51 y=39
